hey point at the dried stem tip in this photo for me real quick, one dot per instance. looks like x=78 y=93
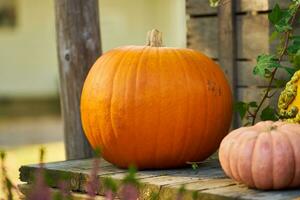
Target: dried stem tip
x=154 y=38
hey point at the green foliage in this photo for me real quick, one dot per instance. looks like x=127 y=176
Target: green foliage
x=268 y=113
x=281 y=18
x=267 y=65
x=2 y=155
x=294 y=52
x=110 y=184
x=6 y=182
x=195 y=166
x=276 y=14
x=154 y=196
x=42 y=154
x=195 y=195
x=279 y=83
x=131 y=178
x=97 y=152
x=181 y=192
x=242 y=108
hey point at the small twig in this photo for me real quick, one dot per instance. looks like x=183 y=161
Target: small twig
x=271 y=95
x=282 y=53
x=250 y=113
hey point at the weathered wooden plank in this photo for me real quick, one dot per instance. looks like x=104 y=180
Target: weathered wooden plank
x=227 y=40
x=255 y=94
x=171 y=191
x=78 y=44
x=246 y=78
x=240 y=191
x=202 y=7
x=202 y=35
x=25 y=189
x=75 y=171
x=208 y=181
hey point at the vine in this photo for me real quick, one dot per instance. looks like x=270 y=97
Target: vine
x=267 y=65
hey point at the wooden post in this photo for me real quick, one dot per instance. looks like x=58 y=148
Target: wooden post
x=227 y=43
x=78 y=45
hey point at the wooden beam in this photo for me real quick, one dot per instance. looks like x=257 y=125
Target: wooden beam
x=227 y=40
x=208 y=181
x=78 y=45
x=227 y=43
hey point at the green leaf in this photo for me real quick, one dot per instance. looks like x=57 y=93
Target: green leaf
x=181 y=190
x=268 y=113
x=275 y=15
x=283 y=27
x=252 y=104
x=195 y=195
x=154 y=196
x=289 y=70
x=2 y=155
x=293 y=48
x=195 y=166
x=296 y=1
x=281 y=18
x=264 y=64
x=274 y=35
x=131 y=176
x=296 y=60
x=241 y=108
x=110 y=184
x=97 y=152
x=279 y=83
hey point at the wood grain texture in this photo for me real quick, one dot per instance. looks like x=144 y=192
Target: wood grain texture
x=253 y=93
x=202 y=7
x=245 y=77
x=25 y=189
x=209 y=181
x=202 y=35
x=78 y=44
x=227 y=40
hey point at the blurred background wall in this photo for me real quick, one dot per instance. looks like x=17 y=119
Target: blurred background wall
x=28 y=59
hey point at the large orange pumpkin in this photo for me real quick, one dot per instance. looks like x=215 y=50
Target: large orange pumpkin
x=264 y=156
x=155 y=107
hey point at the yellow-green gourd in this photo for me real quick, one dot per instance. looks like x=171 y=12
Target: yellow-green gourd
x=289 y=100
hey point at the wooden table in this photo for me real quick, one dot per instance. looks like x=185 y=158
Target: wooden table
x=209 y=181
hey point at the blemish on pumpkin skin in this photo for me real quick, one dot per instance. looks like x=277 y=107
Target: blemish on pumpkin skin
x=214 y=88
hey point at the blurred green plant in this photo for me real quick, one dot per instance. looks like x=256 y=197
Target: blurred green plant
x=8 y=187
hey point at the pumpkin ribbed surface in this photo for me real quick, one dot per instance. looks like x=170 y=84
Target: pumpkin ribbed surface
x=155 y=107
x=264 y=156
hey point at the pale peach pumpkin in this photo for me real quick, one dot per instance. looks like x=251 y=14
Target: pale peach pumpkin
x=264 y=156
x=155 y=107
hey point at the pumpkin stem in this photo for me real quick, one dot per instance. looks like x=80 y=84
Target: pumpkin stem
x=154 y=38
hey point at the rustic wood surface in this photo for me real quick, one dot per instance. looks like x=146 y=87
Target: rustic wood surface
x=202 y=7
x=252 y=32
x=25 y=189
x=78 y=44
x=227 y=40
x=245 y=77
x=209 y=181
